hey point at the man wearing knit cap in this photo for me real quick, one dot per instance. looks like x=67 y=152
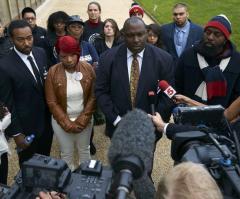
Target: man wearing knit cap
x=209 y=72
x=136 y=10
x=181 y=34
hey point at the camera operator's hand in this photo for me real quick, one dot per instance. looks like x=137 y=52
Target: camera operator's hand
x=182 y=99
x=20 y=141
x=50 y=195
x=158 y=121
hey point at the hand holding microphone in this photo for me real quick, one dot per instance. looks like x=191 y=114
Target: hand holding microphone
x=177 y=98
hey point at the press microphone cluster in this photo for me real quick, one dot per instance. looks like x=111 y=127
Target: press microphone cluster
x=131 y=151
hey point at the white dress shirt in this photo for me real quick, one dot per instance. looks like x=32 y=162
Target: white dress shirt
x=26 y=61
x=129 y=65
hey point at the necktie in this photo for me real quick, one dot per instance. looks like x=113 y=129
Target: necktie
x=134 y=77
x=35 y=71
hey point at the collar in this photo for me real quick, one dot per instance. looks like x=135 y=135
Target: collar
x=129 y=53
x=184 y=28
x=93 y=24
x=23 y=56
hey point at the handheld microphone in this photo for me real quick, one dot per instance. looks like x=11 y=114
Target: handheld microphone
x=152 y=99
x=167 y=89
x=131 y=151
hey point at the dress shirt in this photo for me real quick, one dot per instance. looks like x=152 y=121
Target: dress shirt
x=130 y=59
x=129 y=64
x=24 y=58
x=183 y=33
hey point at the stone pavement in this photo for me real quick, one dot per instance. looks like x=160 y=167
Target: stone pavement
x=116 y=9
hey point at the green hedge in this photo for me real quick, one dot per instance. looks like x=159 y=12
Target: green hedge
x=200 y=12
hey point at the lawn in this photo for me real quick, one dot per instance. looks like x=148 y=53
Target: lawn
x=200 y=12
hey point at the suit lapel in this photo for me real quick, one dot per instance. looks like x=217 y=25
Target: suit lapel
x=24 y=70
x=172 y=39
x=39 y=64
x=121 y=63
x=190 y=37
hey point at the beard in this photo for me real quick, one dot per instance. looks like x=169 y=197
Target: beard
x=210 y=50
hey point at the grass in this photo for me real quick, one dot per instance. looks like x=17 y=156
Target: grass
x=201 y=11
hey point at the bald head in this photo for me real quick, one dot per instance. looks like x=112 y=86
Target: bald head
x=133 y=21
x=135 y=34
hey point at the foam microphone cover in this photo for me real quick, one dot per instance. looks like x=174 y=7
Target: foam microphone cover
x=133 y=136
x=143 y=188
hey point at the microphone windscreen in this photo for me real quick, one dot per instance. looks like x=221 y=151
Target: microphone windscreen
x=133 y=136
x=144 y=188
x=163 y=85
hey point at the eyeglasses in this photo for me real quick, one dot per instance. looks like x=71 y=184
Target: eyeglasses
x=30 y=18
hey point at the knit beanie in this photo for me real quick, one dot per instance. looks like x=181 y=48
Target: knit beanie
x=222 y=23
x=136 y=9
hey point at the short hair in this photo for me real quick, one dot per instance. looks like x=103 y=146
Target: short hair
x=186 y=181
x=95 y=3
x=55 y=18
x=17 y=24
x=180 y=5
x=132 y=20
x=27 y=10
x=115 y=28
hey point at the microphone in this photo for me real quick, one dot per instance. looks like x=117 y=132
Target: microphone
x=152 y=99
x=167 y=89
x=131 y=151
x=143 y=188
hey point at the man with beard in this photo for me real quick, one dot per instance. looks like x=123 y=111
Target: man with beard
x=181 y=34
x=22 y=91
x=209 y=72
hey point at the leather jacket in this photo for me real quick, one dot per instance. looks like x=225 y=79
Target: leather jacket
x=56 y=94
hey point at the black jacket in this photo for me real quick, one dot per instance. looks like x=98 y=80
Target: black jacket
x=5 y=46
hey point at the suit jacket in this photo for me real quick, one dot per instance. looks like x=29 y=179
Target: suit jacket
x=167 y=33
x=24 y=99
x=112 y=82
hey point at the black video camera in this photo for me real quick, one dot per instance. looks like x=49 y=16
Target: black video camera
x=208 y=146
x=90 y=181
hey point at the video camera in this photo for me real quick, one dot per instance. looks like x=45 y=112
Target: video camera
x=218 y=151
x=91 y=180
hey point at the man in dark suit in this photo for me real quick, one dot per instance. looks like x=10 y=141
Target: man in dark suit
x=181 y=34
x=22 y=90
x=116 y=89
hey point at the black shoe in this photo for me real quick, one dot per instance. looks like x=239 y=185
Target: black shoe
x=92 y=149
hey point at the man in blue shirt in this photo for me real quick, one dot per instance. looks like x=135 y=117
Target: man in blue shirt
x=181 y=33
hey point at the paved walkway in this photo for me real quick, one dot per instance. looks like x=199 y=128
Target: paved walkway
x=116 y=9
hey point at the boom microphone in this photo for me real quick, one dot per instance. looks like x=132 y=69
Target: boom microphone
x=143 y=188
x=131 y=151
x=166 y=88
